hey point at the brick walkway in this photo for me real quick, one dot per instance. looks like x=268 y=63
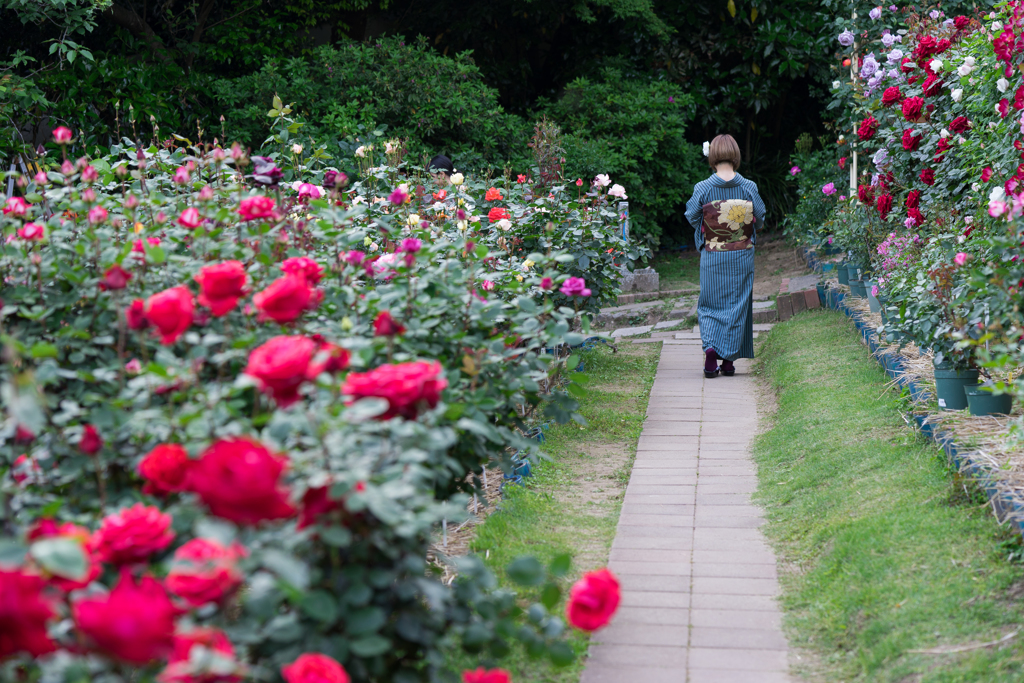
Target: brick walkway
x=699 y=580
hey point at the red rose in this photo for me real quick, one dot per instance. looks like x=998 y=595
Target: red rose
x=304 y=266
x=942 y=46
x=171 y=312
x=280 y=365
x=932 y=86
x=884 y=205
x=48 y=528
x=165 y=469
x=910 y=141
x=406 y=386
x=986 y=174
x=204 y=571
x=133 y=623
x=842 y=163
x=1003 y=108
x=23 y=615
x=1018 y=97
x=190 y=218
x=959 y=124
x=868 y=128
x=329 y=358
x=314 y=668
x=221 y=286
x=184 y=667
x=891 y=96
x=1002 y=45
x=916 y=215
x=493 y=195
x=907 y=65
x=927 y=176
x=961 y=23
x=925 y=47
x=497 y=213
x=942 y=147
x=866 y=194
x=91 y=441
x=135 y=314
x=913 y=199
x=253 y=208
x=133 y=534
x=593 y=600
x=115 y=278
x=284 y=299
x=239 y=480
x=23 y=468
x=486 y=676
x=32 y=232
x=385 y=326
x=912 y=107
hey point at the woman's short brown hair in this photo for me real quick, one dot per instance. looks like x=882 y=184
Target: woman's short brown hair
x=724 y=150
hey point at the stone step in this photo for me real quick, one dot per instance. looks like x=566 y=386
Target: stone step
x=632 y=331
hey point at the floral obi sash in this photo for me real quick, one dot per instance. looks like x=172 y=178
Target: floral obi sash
x=728 y=225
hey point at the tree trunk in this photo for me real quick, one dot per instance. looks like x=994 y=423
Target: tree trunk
x=128 y=19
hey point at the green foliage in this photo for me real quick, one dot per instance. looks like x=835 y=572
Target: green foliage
x=436 y=104
x=814 y=209
x=632 y=128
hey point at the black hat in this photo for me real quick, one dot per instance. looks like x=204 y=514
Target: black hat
x=441 y=164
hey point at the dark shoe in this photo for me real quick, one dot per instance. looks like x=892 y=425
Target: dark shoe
x=711 y=374
x=728 y=369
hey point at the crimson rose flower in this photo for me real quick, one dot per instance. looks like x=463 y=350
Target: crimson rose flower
x=171 y=312
x=91 y=441
x=910 y=141
x=182 y=667
x=884 y=205
x=253 y=208
x=304 y=266
x=23 y=615
x=866 y=194
x=280 y=365
x=314 y=668
x=115 y=278
x=406 y=386
x=907 y=65
x=133 y=623
x=927 y=176
x=165 y=469
x=221 y=286
x=486 y=676
x=912 y=107
x=132 y=535
x=932 y=86
x=284 y=299
x=1003 y=108
x=891 y=96
x=239 y=480
x=868 y=128
x=328 y=358
x=135 y=314
x=190 y=218
x=32 y=232
x=317 y=502
x=593 y=600
x=942 y=147
x=386 y=326
x=913 y=199
x=204 y=571
x=48 y=528
x=959 y=124
x=986 y=174
x=916 y=214
x=497 y=213
x=961 y=23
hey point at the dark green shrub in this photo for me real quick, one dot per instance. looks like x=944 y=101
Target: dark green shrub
x=632 y=129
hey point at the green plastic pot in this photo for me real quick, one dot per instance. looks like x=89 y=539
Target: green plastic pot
x=844 y=274
x=982 y=402
x=873 y=301
x=854 y=271
x=950 y=385
x=857 y=288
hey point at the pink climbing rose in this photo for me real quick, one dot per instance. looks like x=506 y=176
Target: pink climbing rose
x=960 y=258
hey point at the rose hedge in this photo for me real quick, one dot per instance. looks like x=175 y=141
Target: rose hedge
x=240 y=393
x=934 y=109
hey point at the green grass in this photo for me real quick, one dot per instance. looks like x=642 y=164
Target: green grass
x=884 y=550
x=571 y=504
x=677 y=269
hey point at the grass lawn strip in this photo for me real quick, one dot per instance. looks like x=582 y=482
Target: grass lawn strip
x=884 y=550
x=571 y=504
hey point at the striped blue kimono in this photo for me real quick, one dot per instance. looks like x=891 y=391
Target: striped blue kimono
x=725 y=308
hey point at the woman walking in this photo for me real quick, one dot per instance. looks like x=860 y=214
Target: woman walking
x=725 y=211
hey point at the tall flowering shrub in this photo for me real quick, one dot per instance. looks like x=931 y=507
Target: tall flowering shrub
x=241 y=392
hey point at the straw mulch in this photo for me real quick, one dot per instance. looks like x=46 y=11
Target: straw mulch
x=456 y=542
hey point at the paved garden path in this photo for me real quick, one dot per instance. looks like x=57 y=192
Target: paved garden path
x=699 y=581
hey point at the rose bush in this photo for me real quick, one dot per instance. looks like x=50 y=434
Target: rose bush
x=244 y=396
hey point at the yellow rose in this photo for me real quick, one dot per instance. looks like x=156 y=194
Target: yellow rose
x=527 y=264
x=519 y=277
x=139 y=227
x=457 y=179
x=414 y=219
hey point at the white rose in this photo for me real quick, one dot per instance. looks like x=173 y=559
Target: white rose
x=964 y=70
x=505 y=224
x=618 y=191
x=457 y=179
x=414 y=219
x=997 y=26
x=944 y=133
x=957 y=94
x=935 y=64
x=1002 y=84
x=969 y=61
x=462 y=225
x=961 y=239
x=835 y=86
x=960 y=140
x=975 y=187
x=997 y=194
x=361 y=151
x=388 y=148
x=296 y=148
x=707 y=148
